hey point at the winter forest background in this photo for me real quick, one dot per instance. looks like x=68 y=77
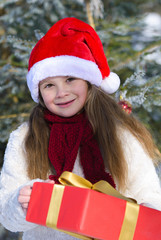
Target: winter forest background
x=131 y=36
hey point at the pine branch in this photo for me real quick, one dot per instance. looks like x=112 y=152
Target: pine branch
x=152 y=47
x=14 y=115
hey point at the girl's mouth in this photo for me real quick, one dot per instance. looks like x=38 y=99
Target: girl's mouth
x=65 y=104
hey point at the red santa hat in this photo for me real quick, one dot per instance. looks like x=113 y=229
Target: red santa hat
x=71 y=47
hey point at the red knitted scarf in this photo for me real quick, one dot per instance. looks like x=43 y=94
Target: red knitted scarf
x=67 y=136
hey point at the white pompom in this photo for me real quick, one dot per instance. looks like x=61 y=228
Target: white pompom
x=111 y=83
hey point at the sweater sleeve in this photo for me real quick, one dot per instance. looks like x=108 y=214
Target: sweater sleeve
x=13 y=177
x=142 y=181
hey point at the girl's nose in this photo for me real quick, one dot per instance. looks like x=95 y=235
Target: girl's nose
x=61 y=92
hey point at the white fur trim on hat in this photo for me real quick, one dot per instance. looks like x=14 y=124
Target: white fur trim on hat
x=62 y=66
x=111 y=83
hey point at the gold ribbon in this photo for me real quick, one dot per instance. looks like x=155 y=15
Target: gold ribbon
x=53 y=211
x=129 y=222
x=71 y=179
x=55 y=203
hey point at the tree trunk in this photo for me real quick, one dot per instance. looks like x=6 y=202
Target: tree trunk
x=89 y=13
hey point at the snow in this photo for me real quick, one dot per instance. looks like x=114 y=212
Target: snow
x=152 y=23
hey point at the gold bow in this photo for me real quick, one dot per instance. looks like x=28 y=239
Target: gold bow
x=71 y=179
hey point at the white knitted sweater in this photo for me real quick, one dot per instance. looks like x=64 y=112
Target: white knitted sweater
x=142 y=184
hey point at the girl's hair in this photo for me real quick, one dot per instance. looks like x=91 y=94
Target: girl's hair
x=106 y=117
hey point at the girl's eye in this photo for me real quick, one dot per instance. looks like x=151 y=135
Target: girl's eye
x=70 y=79
x=49 y=85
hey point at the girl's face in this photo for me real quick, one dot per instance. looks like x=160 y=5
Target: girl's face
x=64 y=96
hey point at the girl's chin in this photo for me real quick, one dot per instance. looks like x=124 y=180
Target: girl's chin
x=67 y=113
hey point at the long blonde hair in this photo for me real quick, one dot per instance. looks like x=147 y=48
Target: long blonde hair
x=105 y=116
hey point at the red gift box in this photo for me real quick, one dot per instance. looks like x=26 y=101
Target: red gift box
x=89 y=213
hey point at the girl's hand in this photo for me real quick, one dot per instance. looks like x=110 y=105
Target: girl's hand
x=25 y=194
x=24 y=197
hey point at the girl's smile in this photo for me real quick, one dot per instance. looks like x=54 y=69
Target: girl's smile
x=65 y=104
x=64 y=96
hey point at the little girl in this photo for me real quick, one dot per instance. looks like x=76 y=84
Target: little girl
x=75 y=126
